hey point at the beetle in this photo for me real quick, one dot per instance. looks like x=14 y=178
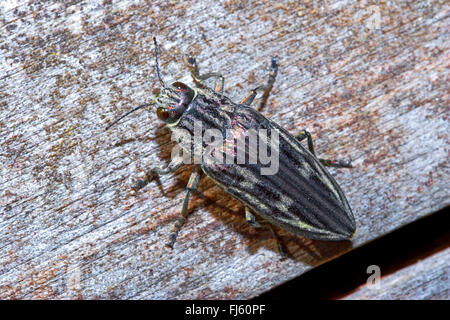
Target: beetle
x=301 y=196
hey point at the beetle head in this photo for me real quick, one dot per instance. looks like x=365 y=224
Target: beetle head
x=172 y=101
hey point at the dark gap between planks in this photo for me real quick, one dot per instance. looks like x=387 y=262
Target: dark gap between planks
x=394 y=251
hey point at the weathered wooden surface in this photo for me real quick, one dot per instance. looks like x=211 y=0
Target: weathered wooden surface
x=425 y=280
x=370 y=81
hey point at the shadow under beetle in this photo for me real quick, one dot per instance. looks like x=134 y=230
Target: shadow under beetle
x=301 y=197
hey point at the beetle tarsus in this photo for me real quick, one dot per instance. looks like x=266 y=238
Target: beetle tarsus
x=198 y=78
x=192 y=185
x=251 y=220
x=247 y=101
x=302 y=135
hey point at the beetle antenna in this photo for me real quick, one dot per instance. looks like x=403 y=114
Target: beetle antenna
x=137 y=108
x=161 y=81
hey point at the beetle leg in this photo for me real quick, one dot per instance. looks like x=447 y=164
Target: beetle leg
x=251 y=220
x=329 y=163
x=336 y=163
x=192 y=185
x=192 y=64
x=267 y=88
x=155 y=172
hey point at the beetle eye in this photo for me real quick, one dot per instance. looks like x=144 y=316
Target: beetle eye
x=162 y=113
x=179 y=85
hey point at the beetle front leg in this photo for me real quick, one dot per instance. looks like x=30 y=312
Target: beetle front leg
x=329 y=163
x=192 y=185
x=192 y=64
x=155 y=172
x=251 y=220
x=267 y=88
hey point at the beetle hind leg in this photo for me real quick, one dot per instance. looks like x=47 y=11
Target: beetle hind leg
x=198 y=78
x=251 y=220
x=267 y=87
x=302 y=135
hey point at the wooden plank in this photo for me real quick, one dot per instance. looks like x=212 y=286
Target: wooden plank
x=425 y=280
x=369 y=82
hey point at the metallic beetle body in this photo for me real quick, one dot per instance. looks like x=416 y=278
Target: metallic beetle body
x=302 y=197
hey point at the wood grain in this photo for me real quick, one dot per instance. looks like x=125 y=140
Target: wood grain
x=370 y=82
